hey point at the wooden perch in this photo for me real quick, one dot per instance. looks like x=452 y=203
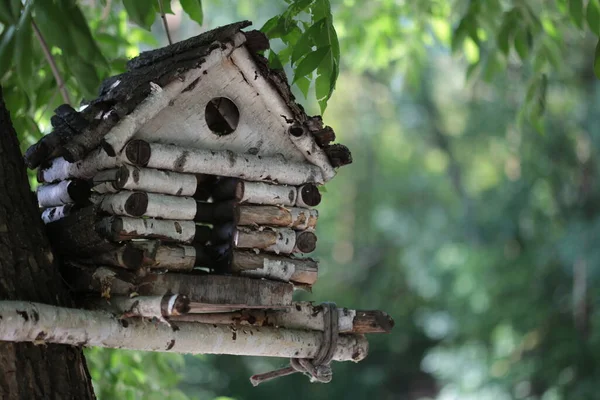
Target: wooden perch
x=270 y=266
x=263 y=193
x=33 y=322
x=277 y=240
x=221 y=163
x=152 y=180
x=306 y=144
x=302 y=315
x=206 y=292
x=64 y=192
x=126 y=228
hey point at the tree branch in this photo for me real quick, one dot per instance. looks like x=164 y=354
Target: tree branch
x=164 y=19
x=57 y=76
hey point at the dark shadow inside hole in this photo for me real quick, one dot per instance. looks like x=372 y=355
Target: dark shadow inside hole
x=222 y=116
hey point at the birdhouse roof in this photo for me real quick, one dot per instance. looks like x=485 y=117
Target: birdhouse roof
x=76 y=133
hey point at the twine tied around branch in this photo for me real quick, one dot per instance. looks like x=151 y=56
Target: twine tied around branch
x=317 y=369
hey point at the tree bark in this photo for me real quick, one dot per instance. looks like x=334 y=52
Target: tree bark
x=29 y=271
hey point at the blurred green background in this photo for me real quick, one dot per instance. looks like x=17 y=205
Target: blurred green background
x=469 y=214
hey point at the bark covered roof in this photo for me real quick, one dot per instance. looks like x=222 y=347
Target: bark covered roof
x=75 y=133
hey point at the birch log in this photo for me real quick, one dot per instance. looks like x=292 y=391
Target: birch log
x=263 y=265
x=53 y=214
x=136 y=204
x=302 y=315
x=308 y=196
x=64 y=192
x=60 y=169
x=206 y=292
x=302 y=138
x=180 y=258
x=277 y=240
x=34 y=322
x=126 y=228
x=124 y=256
x=293 y=217
x=160 y=98
x=151 y=180
x=141 y=306
x=221 y=163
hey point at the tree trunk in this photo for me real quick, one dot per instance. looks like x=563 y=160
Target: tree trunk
x=28 y=271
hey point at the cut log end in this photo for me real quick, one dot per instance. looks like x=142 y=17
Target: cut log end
x=138 y=152
x=133 y=257
x=137 y=204
x=122 y=176
x=79 y=191
x=108 y=148
x=373 y=322
x=296 y=130
x=309 y=195
x=306 y=242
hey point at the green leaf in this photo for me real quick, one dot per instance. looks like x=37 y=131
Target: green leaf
x=194 y=9
x=311 y=62
x=7 y=45
x=523 y=43
x=166 y=6
x=593 y=16
x=304 y=85
x=6 y=13
x=274 y=61
x=308 y=39
x=54 y=25
x=597 y=61
x=576 y=12
x=141 y=12
x=86 y=76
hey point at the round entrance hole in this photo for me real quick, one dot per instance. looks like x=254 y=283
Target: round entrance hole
x=222 y=116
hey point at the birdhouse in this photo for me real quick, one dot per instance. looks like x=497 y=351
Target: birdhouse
x=186 y=192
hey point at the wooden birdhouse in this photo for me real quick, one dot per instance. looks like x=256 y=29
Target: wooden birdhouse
x=186 y=191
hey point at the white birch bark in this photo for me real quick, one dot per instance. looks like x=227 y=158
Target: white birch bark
x=160 y=98
x=301 y=315
x=264 y=193
x=61 y=169
x=228 y=163
x=54 y=194
x=55 y=213
x=174 y=258
x=157 y=205
x=313 y=153
x=50 y=324
x=276 y=240
x=125 y=228
x=142 y=306
x=146 y=180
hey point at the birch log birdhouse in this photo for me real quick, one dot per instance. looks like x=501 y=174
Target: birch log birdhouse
x=186 y=192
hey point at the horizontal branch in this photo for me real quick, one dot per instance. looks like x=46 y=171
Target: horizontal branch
x=302 y=315
x=221 y=163
x=34 y=322
x=293 y=217
x=277 y=240
x=140 y=306
x=60 y=169
x=126 y=228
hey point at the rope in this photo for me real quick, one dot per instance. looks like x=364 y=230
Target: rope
x=317 y=369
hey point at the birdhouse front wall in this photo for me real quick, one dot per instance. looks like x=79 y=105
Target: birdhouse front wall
x=264 y=120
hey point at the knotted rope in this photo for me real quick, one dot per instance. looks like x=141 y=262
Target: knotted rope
x=317 y=369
